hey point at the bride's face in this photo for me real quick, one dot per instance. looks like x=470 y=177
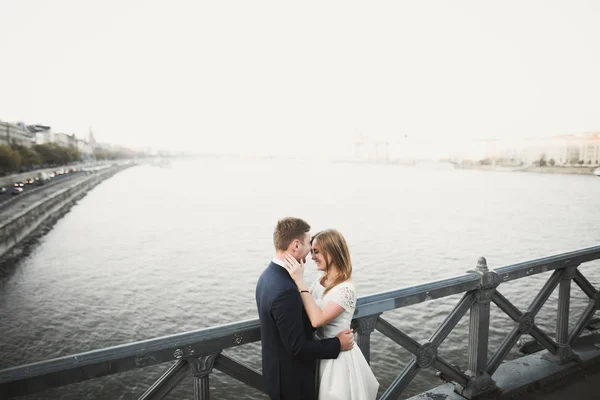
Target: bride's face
x=318 y=257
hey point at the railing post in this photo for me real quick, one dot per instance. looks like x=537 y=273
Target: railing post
x=202 y=367
x=479 y=327
x=364 y=327
x=565 y=351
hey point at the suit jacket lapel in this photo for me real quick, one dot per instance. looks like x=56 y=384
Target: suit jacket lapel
x=280 y=270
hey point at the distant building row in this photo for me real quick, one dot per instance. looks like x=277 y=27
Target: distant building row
x=556 y=150
x=29 y=135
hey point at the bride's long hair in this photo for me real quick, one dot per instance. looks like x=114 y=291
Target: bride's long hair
x=336 y=254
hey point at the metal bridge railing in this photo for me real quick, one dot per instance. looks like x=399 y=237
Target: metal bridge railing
x=201 y=351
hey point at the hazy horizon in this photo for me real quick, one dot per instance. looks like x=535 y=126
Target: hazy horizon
x=272 y=78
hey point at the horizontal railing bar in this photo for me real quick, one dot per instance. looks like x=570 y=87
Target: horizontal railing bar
x=528 y=268
x=96 y=363
x=385 y=301
x=240 y=371
x=380 y=302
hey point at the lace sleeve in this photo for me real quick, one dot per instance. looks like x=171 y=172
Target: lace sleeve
x=345 y=296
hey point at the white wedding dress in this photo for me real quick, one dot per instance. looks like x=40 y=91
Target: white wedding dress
x=348 y=377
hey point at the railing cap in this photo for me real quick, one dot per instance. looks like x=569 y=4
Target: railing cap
x=482 y=264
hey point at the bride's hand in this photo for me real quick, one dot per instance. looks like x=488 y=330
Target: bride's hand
x=294 y=268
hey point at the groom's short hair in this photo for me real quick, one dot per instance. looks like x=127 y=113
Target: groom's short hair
x=287 y=230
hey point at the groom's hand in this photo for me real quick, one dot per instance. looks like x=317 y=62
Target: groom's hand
x=346 y=339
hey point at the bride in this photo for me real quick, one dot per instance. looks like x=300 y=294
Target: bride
x=330 y=305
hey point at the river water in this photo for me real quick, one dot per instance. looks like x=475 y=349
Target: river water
x=157 y=251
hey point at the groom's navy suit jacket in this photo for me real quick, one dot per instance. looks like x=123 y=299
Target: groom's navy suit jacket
x=289 y=354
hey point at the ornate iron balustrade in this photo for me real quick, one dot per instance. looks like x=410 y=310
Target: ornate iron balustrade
x=201 y=351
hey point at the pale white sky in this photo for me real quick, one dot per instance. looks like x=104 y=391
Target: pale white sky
x=305 y=76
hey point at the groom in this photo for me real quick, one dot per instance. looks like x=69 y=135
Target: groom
x=289 y=355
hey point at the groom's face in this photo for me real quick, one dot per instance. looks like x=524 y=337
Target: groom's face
x=304 y=248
